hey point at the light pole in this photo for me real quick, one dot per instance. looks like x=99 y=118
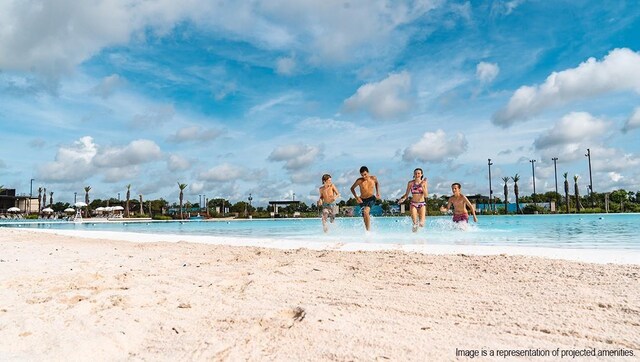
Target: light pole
x=590 y=178
x=555 y=172
x=199 y=203
x=75 y=197
x=118 y=196
x=533 y=170
x=490 y=190
x=294 y=196
x=250 y=198
x=31 y=188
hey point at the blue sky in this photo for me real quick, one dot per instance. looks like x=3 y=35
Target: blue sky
x=263 y=97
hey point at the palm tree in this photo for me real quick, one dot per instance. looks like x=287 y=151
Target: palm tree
x=51 y=199
x=86 y=199
x=516 y=191
x=141 y=211
x=575 y=185
x=39 y=197
x=182 y=187
x=506 y=192
x=126 y=210
x=566 y=191
x=44 y=198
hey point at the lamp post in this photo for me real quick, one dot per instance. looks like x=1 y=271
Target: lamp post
x=75 y=197
x=294 y=196
x=489 y=163
x=118 y=196
x=555 y=172
x=199 y=203
x=250 y=198
x=533 y=171
x=590 y=178
x=31 y=188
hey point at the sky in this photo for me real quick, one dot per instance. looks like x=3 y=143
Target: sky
x=264 y=97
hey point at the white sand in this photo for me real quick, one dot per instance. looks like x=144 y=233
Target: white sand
x=69 y=298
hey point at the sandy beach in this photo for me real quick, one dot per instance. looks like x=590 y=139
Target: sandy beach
x=71 y=298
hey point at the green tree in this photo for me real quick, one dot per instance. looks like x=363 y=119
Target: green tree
x=126 y=208
x=181 y=187
x=576 y=190
x=506 y=193
x=86 y=199
x=516 y=191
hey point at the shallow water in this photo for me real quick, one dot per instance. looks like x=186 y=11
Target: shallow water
x=592 y=231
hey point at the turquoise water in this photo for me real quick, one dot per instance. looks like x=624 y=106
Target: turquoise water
x=593 y=231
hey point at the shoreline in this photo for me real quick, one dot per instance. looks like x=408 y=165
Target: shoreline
x=74 y=298
x=598 y=256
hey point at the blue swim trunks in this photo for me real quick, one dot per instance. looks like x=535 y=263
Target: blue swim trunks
x=368 y=202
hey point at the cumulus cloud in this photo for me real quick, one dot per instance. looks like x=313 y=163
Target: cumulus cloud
x=285 y=66
x=135 y=153
x=295 y=156
x=53 y=37
x=178 y=163
x=487 y=72
x=436 y=147
x=153 y=118
x=384 y=100
x=633 y=122
x=195 y=134
x=108 y=85
x=573 y=127
x=84 y=158
x=225 y=172
x=71 y=163
x=618 y=71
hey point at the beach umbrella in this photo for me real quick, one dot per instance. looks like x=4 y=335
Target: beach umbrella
x=118 y=208
x=47 y=210
x=100 y=209
x=79 y=204
x=13 y=209
x=69 y=210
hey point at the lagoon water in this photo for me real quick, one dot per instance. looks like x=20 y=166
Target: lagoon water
x=587 y=231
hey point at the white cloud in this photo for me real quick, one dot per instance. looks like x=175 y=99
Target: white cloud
x=224 y=172
x=618 y=71
x=72 y=163
x=154 y=117
x=177 y=163
x=436 y=147
x=195 y=134
x=573 y=127
x=286 y=66
x=108 y=85
x=295 y=156
x=53 y=37
x=487 y=72
x=384 y=100
x=633 y=122
x=135 y=153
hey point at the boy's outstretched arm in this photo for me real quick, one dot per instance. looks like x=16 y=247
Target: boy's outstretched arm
x=353 y=191
x=473 y=209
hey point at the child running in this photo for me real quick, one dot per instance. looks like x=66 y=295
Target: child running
x=328 y=195
x=418 y=189
x=459 y=203
x=367 y=198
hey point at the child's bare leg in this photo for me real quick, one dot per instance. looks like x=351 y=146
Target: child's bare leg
x=423 y=215
x=365 y=216
x=324 y=221
x=414 y=218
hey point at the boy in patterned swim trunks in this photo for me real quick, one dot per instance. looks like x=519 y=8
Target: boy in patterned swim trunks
x=367 y=199
x=328 y=195
x=459 y=203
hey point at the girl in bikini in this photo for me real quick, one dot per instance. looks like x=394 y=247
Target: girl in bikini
x=419 y=193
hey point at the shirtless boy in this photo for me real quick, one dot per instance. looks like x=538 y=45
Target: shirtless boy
x=367 y=198
x=459 y=203
x=328 y=195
